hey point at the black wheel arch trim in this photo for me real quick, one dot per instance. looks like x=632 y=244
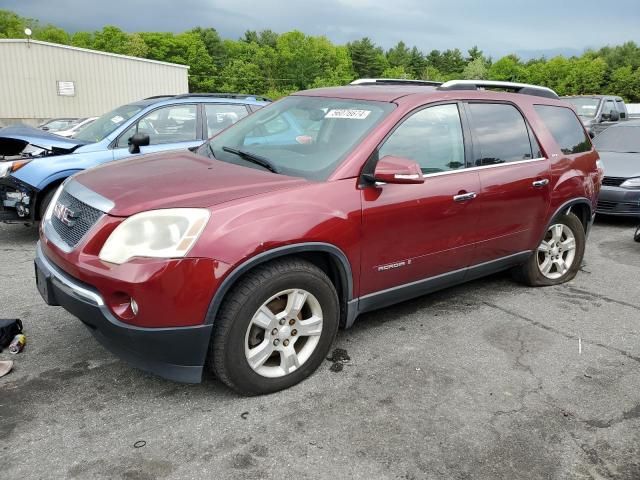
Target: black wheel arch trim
x=342 y=261
x=566 y=206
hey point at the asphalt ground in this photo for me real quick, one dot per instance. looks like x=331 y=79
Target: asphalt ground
x=488 y=380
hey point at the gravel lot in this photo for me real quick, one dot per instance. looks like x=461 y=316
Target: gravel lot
x=481 y=381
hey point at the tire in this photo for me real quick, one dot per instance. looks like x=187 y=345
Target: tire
x=563 y=261
x=249 y=326
x=636 y=236
x=46 y=200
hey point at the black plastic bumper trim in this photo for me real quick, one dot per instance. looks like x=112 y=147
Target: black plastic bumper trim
x=176 y=353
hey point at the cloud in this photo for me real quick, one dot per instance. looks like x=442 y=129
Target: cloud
x=497 y=26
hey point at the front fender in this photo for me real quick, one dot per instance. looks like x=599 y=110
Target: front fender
x=40 y=172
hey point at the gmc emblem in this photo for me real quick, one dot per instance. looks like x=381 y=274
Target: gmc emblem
x=65 y=214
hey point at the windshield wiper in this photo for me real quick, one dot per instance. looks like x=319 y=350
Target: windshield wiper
x=253 y=158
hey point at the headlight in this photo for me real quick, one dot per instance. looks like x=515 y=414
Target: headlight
x=9 y=167
x=5 y=168
x=158 y=233
x=631 y=183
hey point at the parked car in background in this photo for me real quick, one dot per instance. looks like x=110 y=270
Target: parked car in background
x=619 y=149
x=634 y=110
x=251 y=253
x=79 y=125
x=157 y=124
x=599 y=112
x=58 y=124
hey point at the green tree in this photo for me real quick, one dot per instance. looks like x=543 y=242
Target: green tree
x=111 y=39
x=213 y=43
x=476 y=70
x=12 y=25
x=52 y=34
x=399 y=55
x=368 y=59
x=508 y=69
x=82 y=40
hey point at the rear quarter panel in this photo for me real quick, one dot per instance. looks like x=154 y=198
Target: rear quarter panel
x=573 y=176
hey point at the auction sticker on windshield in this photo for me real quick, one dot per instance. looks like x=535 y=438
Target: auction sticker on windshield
x=348 y=113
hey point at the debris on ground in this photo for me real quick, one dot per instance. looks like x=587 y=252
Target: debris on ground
x=17 y=344
x=9 y=328
x=339 y=357
x=5 y=367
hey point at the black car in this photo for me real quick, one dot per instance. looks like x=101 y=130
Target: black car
x=619 y=148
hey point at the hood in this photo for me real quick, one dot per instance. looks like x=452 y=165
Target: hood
x=177 y=179
x=14 y=139
x=625 y=165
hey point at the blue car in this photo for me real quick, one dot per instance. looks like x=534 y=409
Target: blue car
x=34 y=162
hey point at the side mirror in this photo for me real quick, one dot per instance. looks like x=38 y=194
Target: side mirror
x=391 y=169
x=138 y=140
x=614 y=116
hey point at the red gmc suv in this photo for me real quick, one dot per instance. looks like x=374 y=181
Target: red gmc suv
x=247 y=255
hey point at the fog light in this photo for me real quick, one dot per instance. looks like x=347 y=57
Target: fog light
x=124 y=306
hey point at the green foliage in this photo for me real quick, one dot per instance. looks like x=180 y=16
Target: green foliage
x=275 y=65
x=368 y=59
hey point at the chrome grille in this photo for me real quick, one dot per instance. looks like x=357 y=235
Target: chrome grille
x=84 y=217
x=613 y=181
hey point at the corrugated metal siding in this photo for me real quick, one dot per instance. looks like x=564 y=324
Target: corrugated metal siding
x=28 y=76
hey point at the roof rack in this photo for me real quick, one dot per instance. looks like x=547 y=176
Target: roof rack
x=394 y=81
x=523 y=88
x=238 y=96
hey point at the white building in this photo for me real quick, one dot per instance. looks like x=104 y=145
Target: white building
x=40 y=80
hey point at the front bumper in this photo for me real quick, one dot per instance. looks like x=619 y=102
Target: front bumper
x=16 y=200
x=619 y=201
x=175 y=353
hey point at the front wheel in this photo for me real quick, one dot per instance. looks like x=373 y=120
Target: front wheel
x=275 y=327
x=559 y=255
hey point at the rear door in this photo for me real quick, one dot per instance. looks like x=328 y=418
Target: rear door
x=514 y=178
x=173 y=127
x=415 y=232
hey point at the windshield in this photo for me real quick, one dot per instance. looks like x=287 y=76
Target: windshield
x=107 y=123
x=585 y=107
x=299 y=136
x=619 y=139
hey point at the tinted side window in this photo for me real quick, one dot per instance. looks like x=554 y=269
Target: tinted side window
x=432 y=137
x=500 y=134
x=609 y=106
x=173 y=124
x=565 y=128
x=620 y=105
x=221 y=116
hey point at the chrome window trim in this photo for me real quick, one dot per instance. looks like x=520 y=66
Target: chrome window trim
x=483 y=167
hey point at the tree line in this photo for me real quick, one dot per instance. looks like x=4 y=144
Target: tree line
x=273 y=64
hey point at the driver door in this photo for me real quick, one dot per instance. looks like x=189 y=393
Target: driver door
x=425 y=231
x=173 y=127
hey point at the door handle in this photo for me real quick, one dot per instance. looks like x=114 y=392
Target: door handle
x=541 y=183
x=463 y=197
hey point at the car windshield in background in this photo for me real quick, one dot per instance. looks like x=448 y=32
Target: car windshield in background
x=585 y=107
x=621 y=139
x=104 y=125
x=300 y=136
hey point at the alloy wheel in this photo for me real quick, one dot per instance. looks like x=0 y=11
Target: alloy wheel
x=557 y=251
x=283 y=333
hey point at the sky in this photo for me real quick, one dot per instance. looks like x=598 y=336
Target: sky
x=498 y=27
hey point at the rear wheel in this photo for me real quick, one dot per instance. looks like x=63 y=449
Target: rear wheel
x=559 y=255
x=275 y=327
